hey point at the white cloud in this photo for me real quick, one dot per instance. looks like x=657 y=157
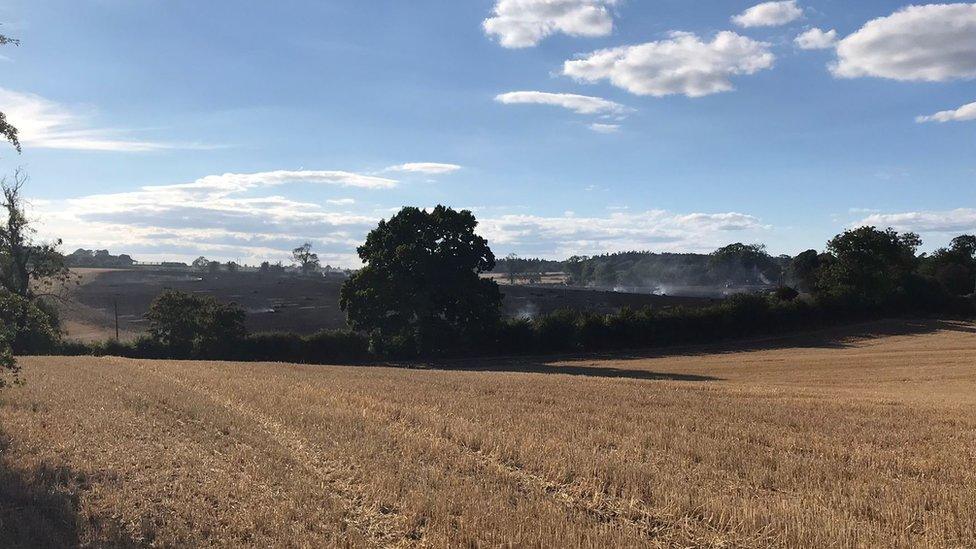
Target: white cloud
x=231 y=217
x=238 y=182
x=683 y=64
x=580 y=104
x=816 y=39
x=217 y=215
x=962 y=114
x=42 y=123
x=561 y=237
x=605 y=128
x=341 y=201
x=525 y=23
x=951 y=221
x=933 y=43
x=429 y=168
x=769 y=14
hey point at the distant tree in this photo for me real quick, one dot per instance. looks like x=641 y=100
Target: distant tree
x=868 y=265
x=7 y=130
x=233 y=267
x=278 y=268
x=607 y=274
x=307 y=260
x=744 y=264
x=803 y=269
x=512 y=267
x=189 y=325
x=201 y=264
x=574 y=268
x=265 y=267
x=421 y=289
x=213 y=267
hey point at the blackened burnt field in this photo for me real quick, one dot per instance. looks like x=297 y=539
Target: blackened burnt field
x=290 y=303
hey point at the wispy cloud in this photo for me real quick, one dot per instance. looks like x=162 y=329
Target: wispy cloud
x=46 y=124
x=233 y=216
x=221 y=215
x=605 y=128
x=580 y=104
x=429 y=168
x=947 y=221
x=660 y=230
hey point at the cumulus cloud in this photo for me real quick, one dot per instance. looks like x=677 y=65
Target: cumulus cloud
x=769 y=14
x=45 y=124
x=525 y=23
x=932 y=43
x=429 y=168
x=682 y=64
x=580 y=104
x=962 y=114
x=816 y=39
x=560 y=237
x=220 y=215
x=605 y=128
x=960 y=220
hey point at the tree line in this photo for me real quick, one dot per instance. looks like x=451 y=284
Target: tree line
x=420 y=294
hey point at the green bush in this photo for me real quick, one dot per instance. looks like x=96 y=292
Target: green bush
x=193 y=326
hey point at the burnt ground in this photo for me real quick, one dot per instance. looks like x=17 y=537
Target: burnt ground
x=292 y=303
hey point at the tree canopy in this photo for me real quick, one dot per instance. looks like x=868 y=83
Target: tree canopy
x=307 y=260
x=955 y=267
x=868 y=264
x=420 y=289
x=743 y=263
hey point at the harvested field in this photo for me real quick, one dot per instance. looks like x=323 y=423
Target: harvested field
x=862 y=437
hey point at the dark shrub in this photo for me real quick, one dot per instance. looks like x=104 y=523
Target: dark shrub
x=557 y=332
x=786 y=293
x=193 y=326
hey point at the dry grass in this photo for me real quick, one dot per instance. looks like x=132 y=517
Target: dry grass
x=823 y=442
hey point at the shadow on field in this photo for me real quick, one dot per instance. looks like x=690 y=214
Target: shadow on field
x=39 y=508
x=841 y=337
x=838 y=337
x=539 y=366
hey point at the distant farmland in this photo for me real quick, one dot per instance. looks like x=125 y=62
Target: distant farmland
x=858 y=438
x=288 y=303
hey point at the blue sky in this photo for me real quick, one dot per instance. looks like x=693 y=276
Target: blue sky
x=237 y=130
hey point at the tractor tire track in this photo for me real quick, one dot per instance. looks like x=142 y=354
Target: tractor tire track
x=382 y=529
x=603 y=508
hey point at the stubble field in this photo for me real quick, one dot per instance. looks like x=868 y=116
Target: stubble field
x=864 y=437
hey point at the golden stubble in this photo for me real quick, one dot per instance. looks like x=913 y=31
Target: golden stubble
x=858 y=443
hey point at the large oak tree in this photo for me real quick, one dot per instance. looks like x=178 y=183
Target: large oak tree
x=421 y=290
